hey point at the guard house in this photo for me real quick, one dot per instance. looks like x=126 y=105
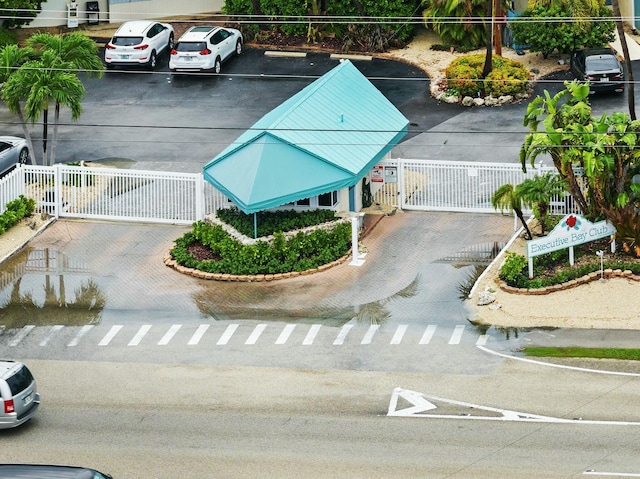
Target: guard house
x=314 y=149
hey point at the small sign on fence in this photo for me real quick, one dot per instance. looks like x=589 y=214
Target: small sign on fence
x=377 y=174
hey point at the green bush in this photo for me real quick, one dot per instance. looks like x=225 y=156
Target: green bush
x=8 y=37
x=16 y=210
x=298 y=253
x=270 y=222
x=507 y=77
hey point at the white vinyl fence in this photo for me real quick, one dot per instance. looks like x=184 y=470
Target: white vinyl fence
x=183 y=198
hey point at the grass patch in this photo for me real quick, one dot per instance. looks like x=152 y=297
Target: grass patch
x=598 y=353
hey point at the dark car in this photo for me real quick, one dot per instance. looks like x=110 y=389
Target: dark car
x=600 y=67
x=43 y=471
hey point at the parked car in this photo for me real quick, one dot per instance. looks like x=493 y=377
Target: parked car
x=19 y=398
x=13 y=150
x=139 y=42
x=600 y=67
x=43 y=471
x=205 y=48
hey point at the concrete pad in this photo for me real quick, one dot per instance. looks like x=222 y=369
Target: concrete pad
x=632 y=45
x=340 y=56
x=277 y=53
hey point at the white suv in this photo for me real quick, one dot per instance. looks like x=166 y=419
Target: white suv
x=19 y=399
x=204 y=48
x=138 y=42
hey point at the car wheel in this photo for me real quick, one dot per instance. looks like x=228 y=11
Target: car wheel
x=153 y=59
x=23 y=156
x=218 y=65
x=238 y=47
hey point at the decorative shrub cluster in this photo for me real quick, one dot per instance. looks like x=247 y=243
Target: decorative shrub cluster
x=16 y=210
x=270 y=222
x=298 y=253
x=464 y=76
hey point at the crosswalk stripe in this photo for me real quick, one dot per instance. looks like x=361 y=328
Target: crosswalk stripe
x=21 y=335
x=168 y=336
x=197 y=336
x=226 y=336
x=286 y=332
x=142 y=332
x=342 y=334
x=482 y=340
x=371 y=332
x=253 y=337
x=311 y=335
x=399 y=334
x=110 y=335
x=457 y=334
x=428 y=334
x=84 y=330
x=54 y=330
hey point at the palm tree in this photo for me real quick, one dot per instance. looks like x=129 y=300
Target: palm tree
x=11 y=58
x=507 y=197
x=48 y=80
x=536 y=193
x=74 y=48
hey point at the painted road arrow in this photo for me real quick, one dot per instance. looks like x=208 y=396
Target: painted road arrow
x=421 y=402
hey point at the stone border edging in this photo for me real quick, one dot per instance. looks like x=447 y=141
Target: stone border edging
x=595 y=276
x=249 y=278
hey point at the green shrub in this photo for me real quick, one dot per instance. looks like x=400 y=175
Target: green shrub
x=8 y=37
x=270 y=222
x=507 y=77
x=15 y=211
x=513 y=269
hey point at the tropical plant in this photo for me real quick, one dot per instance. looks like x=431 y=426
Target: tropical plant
x=507 y=197
x=19 y=12
x=507 y=77
x=537 y=192
x=75 y=48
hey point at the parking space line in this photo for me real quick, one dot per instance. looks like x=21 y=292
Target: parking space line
x=142 y=332
x=253 y=337
x=168 y=336
x=286 y=332
x=226 y=336
x=342 y=334
x=371 y=332
x=399 y=334
x=311 y=335
x=52 y=332
x=21 y=335
x=428 y=334
x=84 y=330
x=457 y=334
x=197 y=336
x=110 y=335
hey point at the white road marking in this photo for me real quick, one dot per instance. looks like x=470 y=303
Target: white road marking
x=21 y=335
x=84 y=330
x=168 y=336
x=52 y=332
x=226 y=336
x=399 y=334
x=110 y=335
x=342 y=334
x=286 y=332
x=371 y=332
x=428 y=334
x=197 y=336
x=618 y=474
x=311 y=335
x=457 y=334
x=142 y=332
x=253 y=337
x=482 y=340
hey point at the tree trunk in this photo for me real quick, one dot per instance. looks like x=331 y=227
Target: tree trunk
x=56 y=119
x=627 y=61
x=488 y=61
x=45 y=128
x=524 y=223
x=27 y=136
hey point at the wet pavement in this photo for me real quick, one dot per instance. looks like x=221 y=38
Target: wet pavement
x=83 y=272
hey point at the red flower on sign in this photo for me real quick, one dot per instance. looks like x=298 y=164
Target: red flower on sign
x=571 y=221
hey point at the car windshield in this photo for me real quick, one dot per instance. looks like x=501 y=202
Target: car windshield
x=126 y=41
x=602 y=63
x=190 y=46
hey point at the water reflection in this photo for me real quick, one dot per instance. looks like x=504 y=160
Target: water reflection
x=34 y=290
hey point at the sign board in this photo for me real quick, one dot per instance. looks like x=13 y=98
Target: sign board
x=572 y=230
x=377 y=174
x=391 y=174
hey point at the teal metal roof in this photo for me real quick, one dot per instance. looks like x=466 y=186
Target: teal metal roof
x=324 y=138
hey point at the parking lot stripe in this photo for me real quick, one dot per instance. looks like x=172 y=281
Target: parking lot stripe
x=52 y=331
x=457 y=334
x=342 y=334
x=21 y=335
x=311 y=335
x=286 y=332
x=139 y=335
x=428 y=334
x=110 y=335
x=197 y=336
x=168 y=336
x=399 y=334
x=84 y=330
x=371 y=332
x=226 y=336
x=253 y=337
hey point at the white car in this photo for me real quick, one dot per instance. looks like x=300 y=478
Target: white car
x=139 y=42
x=204 y=48
x=13 y=150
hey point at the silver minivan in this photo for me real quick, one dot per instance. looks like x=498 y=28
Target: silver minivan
x=19 y=398
x=43 y=471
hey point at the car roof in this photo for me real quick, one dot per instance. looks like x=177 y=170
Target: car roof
x=198 y=33
x=134 y=28
x=45 y=471
x=599 y=51
x=5 y=365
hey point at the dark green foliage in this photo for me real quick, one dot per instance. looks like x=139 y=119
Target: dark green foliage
x=548 y=36
x=8 y=37
x=298 y=253
x=270 y=222
x=19 y=12
x=16 y=210
x=464 y=76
